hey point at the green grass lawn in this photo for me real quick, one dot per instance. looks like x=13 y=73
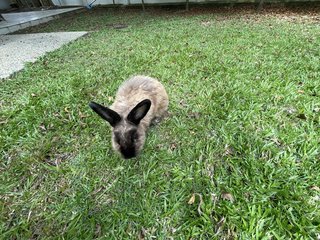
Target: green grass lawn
x=238 y=157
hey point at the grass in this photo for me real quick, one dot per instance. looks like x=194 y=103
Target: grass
x=238 y=158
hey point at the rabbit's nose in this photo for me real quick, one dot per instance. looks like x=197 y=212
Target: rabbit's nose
x=128 y=152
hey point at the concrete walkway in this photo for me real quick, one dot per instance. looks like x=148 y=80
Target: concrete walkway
x=16 y=50
x=21 y=20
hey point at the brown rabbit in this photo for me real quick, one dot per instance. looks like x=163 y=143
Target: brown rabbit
x=139 y=100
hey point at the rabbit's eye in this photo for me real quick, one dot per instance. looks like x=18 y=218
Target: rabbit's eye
x=134 y=136
x=117 y=138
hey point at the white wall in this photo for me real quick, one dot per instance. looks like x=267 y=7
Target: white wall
x=126 y=2
x=106 y=2
x=156 y=1
x=69 y=2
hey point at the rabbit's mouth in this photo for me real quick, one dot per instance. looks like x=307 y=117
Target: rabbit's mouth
x=128 y=152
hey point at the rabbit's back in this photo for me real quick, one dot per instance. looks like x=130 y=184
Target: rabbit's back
x=138 y=88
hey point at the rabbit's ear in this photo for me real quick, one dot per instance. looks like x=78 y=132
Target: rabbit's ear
x=139 y=111
x=106 y=113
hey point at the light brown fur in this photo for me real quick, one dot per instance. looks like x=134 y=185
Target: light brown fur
x=129 y=94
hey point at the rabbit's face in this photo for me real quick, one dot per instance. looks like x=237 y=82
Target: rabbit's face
x=127 y=139
x=127 y=134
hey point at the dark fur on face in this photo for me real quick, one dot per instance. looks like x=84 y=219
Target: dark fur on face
x=128 y=143
x=128 y=135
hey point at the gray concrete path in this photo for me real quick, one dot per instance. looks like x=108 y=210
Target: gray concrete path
x=17 y=21
x=16 y=50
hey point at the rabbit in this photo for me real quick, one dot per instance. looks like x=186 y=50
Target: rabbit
x=138 y=102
